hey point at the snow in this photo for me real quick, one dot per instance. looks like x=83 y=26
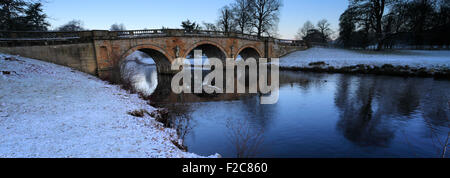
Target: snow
x=143 y=79
x=141 y=57
x=342 y=58
x=48 y=110
x=147 y=60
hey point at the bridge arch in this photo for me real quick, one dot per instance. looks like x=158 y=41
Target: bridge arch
x=162 y=60
x=248 y=51
x=211 y=49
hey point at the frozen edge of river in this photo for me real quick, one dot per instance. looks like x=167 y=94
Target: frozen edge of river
x=51 y=111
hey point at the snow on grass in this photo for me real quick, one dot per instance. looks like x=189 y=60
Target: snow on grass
x=342 y=58
x=48 y=110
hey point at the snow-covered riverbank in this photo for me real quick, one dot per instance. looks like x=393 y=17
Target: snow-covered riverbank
x=48 y=110
x=342 y=58
x=407 y=62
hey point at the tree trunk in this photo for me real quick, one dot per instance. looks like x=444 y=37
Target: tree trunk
x=379 y=35
x=379 y=29
x=260 y=28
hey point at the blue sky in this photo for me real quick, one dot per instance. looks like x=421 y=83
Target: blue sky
x=140 y=14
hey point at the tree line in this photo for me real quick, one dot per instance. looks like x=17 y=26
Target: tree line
x=385 y=23
x=320 y=33
x=259 y=17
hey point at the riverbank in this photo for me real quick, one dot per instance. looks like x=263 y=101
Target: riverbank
x=416 y=63
x=47 y=110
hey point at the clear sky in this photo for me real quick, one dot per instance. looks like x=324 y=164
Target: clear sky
x=140 y=14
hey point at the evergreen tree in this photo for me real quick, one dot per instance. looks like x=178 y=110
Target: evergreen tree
x=20 y=15
x=10 y=12
x=36 y=18
x=190 y=26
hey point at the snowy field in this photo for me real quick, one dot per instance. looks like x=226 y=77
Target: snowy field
x=48 y=110
x=342 y=58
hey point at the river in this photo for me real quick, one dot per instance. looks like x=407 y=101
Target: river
x=317 y=115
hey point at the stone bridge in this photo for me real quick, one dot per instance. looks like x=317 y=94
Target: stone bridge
x=100 y=52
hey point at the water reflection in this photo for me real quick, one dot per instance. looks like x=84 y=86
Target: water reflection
x=245 y=139
x=360 y=119
x=372 y=108
x=143 y=77
x=318 y=115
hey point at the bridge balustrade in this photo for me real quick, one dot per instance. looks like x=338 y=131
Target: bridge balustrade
x=33 y=35
x=290 y=42
x=8 y=36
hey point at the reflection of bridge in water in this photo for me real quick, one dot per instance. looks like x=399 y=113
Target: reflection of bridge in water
x=157 y=87
x=99 y=52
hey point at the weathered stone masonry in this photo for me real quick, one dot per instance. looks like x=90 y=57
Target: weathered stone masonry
x=99 y=52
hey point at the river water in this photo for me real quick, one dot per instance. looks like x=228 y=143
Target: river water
x=317 y=115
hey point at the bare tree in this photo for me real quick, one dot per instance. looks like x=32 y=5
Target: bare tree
x=324 y=27
x=303 y=32
x=210 y=26
x=35 y=19
x=74 y=25
x=243 y=10
x=372 y=11
x=118 y=27
x=226 y=17
x=266 y=15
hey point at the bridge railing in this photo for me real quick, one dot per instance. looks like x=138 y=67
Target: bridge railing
x=179 y=32
x=286 y=42
x=136 y=33
x=35 y=35
x=204 y=33
x=222 y=34
x=6 y=36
